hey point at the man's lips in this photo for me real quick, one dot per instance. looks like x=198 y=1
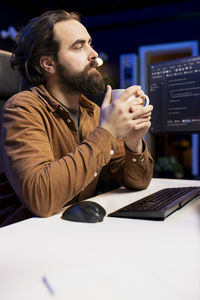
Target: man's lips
x=93 y=68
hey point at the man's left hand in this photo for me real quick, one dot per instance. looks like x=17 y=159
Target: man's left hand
x=141 y=124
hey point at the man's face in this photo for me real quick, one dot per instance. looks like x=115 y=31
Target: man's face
x=76 y=65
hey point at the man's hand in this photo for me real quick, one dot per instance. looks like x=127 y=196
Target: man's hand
x=125 y=118
x=141 y=116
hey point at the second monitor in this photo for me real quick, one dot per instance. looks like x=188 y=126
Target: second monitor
x=174 y=91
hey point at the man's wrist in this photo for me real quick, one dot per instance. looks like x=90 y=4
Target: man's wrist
x=137 y=148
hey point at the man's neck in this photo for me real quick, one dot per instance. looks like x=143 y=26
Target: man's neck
x=69 y=99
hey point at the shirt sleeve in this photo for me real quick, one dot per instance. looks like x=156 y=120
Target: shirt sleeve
x=131 y=169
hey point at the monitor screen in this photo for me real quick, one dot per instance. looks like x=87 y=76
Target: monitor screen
x=174 y=91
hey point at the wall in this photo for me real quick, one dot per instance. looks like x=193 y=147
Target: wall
x=125 y=32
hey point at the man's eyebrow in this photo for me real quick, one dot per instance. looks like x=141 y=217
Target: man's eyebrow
x=80 y=41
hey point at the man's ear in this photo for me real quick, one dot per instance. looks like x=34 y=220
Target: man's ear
x=48 y=64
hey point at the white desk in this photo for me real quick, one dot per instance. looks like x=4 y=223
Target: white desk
x=117 y=259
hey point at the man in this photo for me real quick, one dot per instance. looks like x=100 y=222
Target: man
x=54 y=142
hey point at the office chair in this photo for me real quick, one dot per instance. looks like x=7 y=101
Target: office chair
x=9 y=79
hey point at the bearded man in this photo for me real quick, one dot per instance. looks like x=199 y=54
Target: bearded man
x=54 y=142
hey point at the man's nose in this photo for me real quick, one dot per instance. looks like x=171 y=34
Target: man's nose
x=92 y=54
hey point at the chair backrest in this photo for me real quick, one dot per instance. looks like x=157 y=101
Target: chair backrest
x=9 y=79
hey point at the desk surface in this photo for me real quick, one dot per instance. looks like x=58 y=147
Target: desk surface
x=117 y=259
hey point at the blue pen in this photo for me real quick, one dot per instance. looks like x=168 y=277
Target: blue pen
x=46 y=283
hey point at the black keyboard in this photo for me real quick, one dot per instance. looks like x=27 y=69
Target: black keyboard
x=158 y=205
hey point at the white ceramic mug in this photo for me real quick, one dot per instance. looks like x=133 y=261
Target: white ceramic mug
x=117 y=92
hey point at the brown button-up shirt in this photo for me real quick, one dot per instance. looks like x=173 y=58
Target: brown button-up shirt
x=45 y=163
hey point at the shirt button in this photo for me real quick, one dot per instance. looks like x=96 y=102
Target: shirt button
x=142 y=159
x=134 y=159
x=68 y=121
x=111 y=152
x=95 y=174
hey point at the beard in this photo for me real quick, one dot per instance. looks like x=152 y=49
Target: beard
x=87 y=82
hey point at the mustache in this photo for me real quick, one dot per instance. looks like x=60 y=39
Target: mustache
x=93 y=64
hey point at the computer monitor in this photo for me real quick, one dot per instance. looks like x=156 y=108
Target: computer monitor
x=174 y=91
x=151 y=54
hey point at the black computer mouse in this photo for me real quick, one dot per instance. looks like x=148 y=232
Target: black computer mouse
x=84 y=211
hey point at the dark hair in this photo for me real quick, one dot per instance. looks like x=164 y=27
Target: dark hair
x=33 y=41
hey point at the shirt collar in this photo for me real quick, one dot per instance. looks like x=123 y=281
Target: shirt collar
x=52 y=104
